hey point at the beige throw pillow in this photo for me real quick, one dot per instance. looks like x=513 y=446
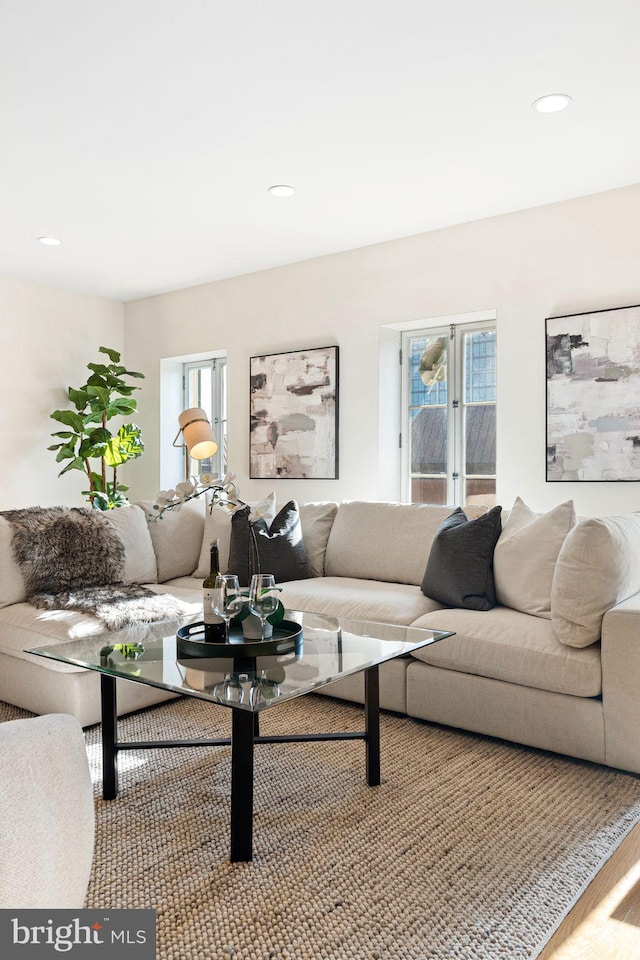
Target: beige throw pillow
x=598 y=567
x=217 y=526
x=525 y=557
x=316 y=520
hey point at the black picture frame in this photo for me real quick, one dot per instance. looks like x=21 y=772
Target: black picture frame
x=293 y=415
x=593 y=396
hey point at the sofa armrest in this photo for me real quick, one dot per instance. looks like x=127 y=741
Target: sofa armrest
x=621 y=684
x=46 y=814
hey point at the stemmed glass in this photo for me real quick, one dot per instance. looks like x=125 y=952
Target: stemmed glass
x=263 y=690
x=227 y=599
x=263 y=599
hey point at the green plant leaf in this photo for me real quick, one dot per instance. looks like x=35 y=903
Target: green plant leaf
x=79 y=398
x=113 y=355
x=102 y=393
x=76 y=464
x=126 y=445
x=69 y=418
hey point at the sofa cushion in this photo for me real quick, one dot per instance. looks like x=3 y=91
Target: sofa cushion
x=507 y=645
x=362 y=599
x=460 y=567
x=176 y=537
x=280 y=545
x=12 y=587
x=525 y=556
x=217 y=526
x=598 y=566
x=23 y=626
x=384 y=541
x=131 y=526
x=317 y=520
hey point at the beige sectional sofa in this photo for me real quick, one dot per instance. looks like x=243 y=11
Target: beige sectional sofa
x=564 y=677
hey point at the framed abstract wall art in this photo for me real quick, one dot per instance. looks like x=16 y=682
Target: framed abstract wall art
x=593 y=395
x=294 y=415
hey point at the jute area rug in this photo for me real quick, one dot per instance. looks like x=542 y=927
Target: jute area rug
x=471 y=848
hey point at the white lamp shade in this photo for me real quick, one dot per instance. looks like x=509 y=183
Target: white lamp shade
x=197 y=433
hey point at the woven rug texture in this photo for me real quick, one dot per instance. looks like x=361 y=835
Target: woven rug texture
x=471 y=848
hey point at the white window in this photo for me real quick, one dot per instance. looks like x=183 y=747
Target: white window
x=449 y=413
x=205 y=386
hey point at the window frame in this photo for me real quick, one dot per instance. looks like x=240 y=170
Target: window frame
x=456 y=405
x=216 y=401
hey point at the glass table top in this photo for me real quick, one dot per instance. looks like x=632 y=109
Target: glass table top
x=329 y=648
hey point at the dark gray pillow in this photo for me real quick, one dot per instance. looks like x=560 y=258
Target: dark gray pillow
x=280 y=546
x=460 y=567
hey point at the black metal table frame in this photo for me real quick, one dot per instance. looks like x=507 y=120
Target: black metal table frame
x=245 y=733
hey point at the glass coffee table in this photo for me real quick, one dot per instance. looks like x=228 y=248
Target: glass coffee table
x=325 y=649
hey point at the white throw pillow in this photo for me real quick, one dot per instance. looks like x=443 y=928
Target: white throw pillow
x=12 y=589
x=131 y=526
x=217 y=526
x=526 y=554
x=598 y=567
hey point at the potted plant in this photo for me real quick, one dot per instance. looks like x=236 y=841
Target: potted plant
x=86 y=437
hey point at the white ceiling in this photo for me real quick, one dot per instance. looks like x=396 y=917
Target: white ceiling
x=144 y=133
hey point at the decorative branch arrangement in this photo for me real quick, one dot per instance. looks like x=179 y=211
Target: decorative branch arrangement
x=223 y=492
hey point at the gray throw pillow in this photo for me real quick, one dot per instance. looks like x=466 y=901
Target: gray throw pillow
x=460 y=567
x=280 y=545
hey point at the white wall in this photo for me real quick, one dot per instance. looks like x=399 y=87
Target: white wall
x=578 y=255
x=47 y=336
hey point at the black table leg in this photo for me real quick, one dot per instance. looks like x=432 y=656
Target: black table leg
x=372 y=724
x=242 y=733
x=109 y=723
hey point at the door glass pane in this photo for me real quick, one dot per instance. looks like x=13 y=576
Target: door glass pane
x=480 y=412
x=428 y=490
x=429 y=440
x=428 y=418
x=480 y=367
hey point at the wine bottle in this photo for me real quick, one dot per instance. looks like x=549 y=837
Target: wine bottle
x=214 y=629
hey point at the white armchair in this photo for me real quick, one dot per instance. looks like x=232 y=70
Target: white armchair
x=47 y=820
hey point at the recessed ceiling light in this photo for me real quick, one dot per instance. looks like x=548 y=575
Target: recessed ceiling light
x=281 y=190
x=50 y=241
x=552 y=103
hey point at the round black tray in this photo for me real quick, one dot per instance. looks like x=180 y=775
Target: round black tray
x=287 y=638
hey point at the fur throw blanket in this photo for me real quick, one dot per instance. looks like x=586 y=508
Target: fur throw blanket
x=71 y=558
x=118 y=605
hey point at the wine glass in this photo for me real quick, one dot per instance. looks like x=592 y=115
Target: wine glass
x=228 y=690
x=227 y=599
x=263 y=599
x=264 y=690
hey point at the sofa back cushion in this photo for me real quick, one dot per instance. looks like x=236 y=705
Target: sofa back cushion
x=526 y=554
x=131 y=526
x=176 y=538
x=385 y=541
x=598 y=566
x=12 y=588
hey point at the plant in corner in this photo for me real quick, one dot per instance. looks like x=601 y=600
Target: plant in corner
x=86 y=437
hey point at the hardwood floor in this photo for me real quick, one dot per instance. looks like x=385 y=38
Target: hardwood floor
x=605 y=923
